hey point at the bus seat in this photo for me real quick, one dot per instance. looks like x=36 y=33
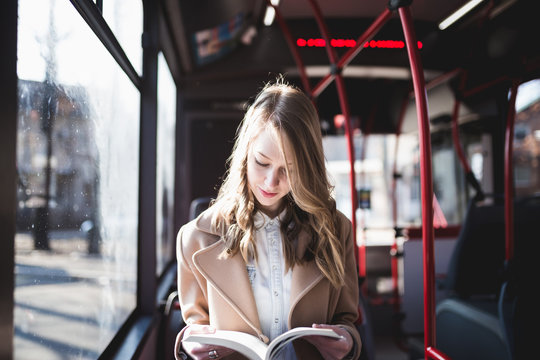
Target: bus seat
x=198 y=205
x=171 y=325
x=477 y=262
x=470 y=331
x=467 y=321
x=173 y=321
x=478 y=319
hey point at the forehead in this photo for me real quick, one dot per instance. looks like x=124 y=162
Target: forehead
x=269 y=143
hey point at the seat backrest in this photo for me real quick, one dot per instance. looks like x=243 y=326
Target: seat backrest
x=477 y=263
x=198 y=205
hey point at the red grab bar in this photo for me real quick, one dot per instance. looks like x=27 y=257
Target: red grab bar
x=349 y=55
x=436 y=354
x=340 y=84
x=426 y=184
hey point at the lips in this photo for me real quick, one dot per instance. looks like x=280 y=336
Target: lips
x=267 y=194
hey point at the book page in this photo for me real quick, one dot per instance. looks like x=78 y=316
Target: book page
x=246 y=344
x=282 y=340
x=253 y=348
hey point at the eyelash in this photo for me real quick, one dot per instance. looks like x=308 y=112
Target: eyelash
x=260 y=163
x=266 y=165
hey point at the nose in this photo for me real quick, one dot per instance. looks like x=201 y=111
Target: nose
x=272 y=178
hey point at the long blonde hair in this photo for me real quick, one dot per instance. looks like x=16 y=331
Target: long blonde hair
x=310 y=207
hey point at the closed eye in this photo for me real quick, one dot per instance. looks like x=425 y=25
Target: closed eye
x=260 y=163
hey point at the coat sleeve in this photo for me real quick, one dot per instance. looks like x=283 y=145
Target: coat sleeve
x=191 y=284
x=347 y=308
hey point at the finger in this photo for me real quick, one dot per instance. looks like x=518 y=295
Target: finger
x=201 y=352
x=196 y=350
x=337 y=329
x=200 y=329
x=215 y=352
x=223 y=351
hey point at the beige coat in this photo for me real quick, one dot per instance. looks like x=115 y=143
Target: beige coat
x=217 y=291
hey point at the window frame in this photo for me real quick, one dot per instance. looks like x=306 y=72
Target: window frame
x=8 y=144
x=129 y=339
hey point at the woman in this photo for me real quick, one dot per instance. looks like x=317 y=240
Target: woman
x=272 y=252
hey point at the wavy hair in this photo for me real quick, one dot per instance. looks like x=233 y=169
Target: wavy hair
x=309 y=205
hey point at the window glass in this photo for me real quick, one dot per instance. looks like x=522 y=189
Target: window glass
x=125 y=18
x=479 y=153
x=448 y=182
x=77 y=163
x=527 y=140
x=373 y=180
x=165 y=165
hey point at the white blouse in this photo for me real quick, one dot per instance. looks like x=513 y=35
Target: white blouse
x=271 y=285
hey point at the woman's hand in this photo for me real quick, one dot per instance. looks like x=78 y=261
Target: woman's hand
x=202 y=351
x=332 y=348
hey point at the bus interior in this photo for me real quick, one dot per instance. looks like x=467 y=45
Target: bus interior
x=118 y=120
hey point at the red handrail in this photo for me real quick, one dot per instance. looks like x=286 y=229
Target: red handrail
x=365 y=37
x=340 y=84
x=426 y=184
x=362 y=244
x=349 y=55
x=436 y=354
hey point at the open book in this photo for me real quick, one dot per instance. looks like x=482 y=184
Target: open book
x=251 y=346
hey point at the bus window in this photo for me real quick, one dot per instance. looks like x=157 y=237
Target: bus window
x=78 y=185
x=374 y=175
x=165 y=166
x=527 y=140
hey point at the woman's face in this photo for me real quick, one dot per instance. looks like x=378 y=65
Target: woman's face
x=266 y=172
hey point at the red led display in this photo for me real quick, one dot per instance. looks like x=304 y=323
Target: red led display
x=374 y=44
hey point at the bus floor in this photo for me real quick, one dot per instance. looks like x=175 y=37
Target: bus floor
x=382 y=320
x=384 y=317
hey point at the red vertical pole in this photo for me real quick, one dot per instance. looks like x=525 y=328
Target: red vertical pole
x=340 y=84
x=425 y=179
x=509 y=174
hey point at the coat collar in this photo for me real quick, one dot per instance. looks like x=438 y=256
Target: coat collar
x=229 y=275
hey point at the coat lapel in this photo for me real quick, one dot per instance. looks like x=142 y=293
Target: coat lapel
x=305 y=276
x=229 y=277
